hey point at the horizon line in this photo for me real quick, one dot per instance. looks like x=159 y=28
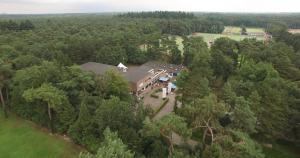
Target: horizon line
x=113 y=12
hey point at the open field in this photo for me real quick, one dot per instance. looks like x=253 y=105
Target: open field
x=237 y=30
x=250 y=29
x=179 y=41
x=23 y=139
x=294 y=31
x=232 y=30
x=208 y=37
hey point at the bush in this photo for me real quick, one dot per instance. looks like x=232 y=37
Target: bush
x=153 y=95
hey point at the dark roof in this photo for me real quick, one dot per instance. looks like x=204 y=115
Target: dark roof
x=133 y=74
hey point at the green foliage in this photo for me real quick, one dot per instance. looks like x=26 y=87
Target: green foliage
x=224 y=57
x=6 y=74
x=56 y=100
x=116 y=85
x=25 y=61
x=193 y=47
x=165 y=128
x=281 y=150
x=111 y=55
x=243 y=117
x=14 y=26
x=228 y=92
x=82 y=129
x=121 y=118
x=244 y=30
x=235 y=145
x=176 y=57
x=111 y=147
x=46 y=93
x=194 y=88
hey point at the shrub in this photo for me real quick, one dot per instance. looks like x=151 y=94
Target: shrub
x=154 y=96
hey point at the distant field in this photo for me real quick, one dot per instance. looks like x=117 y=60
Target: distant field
x=250 y=29
x=23 y=139
x=208 y=37
x=294 y=31
x=179 y=41
x=237 y=30
x=232 y=30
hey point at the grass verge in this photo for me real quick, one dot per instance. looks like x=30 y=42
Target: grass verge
x=21 y=138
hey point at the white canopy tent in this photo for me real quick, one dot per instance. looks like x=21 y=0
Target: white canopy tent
x=123 y=67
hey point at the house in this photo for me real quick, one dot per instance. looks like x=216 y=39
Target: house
x=139 y=77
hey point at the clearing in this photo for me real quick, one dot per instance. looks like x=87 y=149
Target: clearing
x=294 y=31
x=231 y=32
x=253 y=29
x=209 y=37
x=21 y=138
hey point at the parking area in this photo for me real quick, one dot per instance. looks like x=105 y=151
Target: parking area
x=155 y=103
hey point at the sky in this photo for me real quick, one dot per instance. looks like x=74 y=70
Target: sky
x=92 y=6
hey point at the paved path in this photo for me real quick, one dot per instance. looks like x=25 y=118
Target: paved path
x=154 y=103
x=167 y=109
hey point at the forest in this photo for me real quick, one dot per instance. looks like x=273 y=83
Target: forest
x=237 y=96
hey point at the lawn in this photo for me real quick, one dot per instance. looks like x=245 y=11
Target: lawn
x=208 y=37
x=179 y=41
x=237 y=30
x=294 y=31
x=23 y=139
x=232 y=30
x=250 y=29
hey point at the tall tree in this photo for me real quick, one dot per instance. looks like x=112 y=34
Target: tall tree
x=192 y=47
x=203 y=116
x=165 y=127
x=121 y=118
x=111 y=147
x=111 y=55
x=115 y=85
x=48 y=94
x=176 y=57
x=5 y=76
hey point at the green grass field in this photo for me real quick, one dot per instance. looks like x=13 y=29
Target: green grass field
x=232 y=30
x=23 y=139
x=250 y=29
x=179 y=41
x=237 y=30
x=208 y=37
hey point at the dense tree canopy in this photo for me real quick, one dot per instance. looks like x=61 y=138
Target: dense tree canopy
x=233 y=95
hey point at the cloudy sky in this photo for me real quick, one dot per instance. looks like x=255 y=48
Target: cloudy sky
x=84 y=6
